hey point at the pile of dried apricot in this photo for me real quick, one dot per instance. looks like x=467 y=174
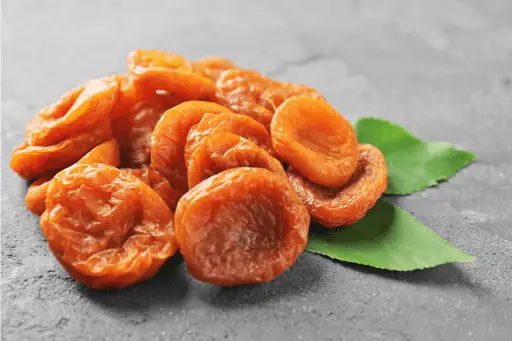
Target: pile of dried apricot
x=223 y=164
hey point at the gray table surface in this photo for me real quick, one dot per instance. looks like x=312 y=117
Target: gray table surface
x=443 y=69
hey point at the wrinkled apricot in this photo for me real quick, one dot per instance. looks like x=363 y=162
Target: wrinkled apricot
x=275 y=95
x=129 y=94
x=36 y=194
x=108 y=229
x=76 y=111
x=106 y=153
x=158 y=183
x=333 y=207
x=220 y=152
x=133 y=130
x=241 y=125
x=139 y=61
x=169 y=138
x=156 y=70
x=239 y=84
x=33 y=161
x=241 y=226
x=240 y=90
x=316 y=140
x=212 y=67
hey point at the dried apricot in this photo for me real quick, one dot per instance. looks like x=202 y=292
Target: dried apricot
x=219 y=152
x=139 y=61
x=106 y=153
x=333 y=207
x=129 y=94
x=76 y=111
x=212 y=67
x=133 y=130
x=158 y=183
x=156 y=70
x=244 y=126
x=36 y=194
x=169 y=138
x=275 y=95
x=108 y=229
x=316 y=140
x=240 y=90
x=241 y=226
x=132 y=94
x=239 y=84
x=33 y=161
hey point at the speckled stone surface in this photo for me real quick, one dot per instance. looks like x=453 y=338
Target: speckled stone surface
x=443 y=69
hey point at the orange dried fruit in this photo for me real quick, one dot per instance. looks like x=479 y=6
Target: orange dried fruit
x=333 y=207
x=241 y=226
x=220 y=152
x=316 y=140
x=129 y=94
x=169 y=138
x=133 y=130
x=139 y=61
x=275 y=95
x=156 y=70
x=241 y=125
x=36 y=194
x=240 y=90
x=106 y=153
x=212 y=67
x=158 y=183
x=246 y=85
x=75 y=112
x=108 y=229
x=33 y=161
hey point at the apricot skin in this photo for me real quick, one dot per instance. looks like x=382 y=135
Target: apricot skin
x=170 y=136
x=106 y=153
x=333 y=207
x=220 y=152
x=316 y=140
x=241 y=125
x=109 y=230
x=241 y=226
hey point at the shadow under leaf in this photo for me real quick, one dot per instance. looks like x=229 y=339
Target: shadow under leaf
x=443 y=276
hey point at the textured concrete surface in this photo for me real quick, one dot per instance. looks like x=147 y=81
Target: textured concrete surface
x=441 y=68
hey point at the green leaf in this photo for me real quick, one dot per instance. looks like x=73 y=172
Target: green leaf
x=386 y=238
x=413 y=164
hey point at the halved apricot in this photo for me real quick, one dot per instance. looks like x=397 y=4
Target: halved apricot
x=240 y=90
x=333 y=207
x=241 y=226
x=220 y=152
x=316 y=140
x=75 y=112
x=108 y=229
x=212 y=67
x=170 y=136
x=33 y=161
x=241 y=125
x=275 y=95
x=106 y=153
x=157 y=70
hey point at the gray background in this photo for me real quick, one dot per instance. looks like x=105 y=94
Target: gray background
x=443 y=69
